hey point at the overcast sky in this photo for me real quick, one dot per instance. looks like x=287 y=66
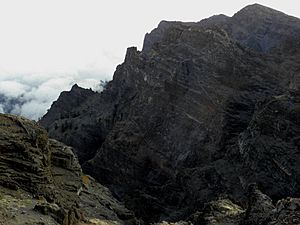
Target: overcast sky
x=47 y=45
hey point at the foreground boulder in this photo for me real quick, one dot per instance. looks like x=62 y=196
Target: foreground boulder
x=41 y=181
x=259 y=211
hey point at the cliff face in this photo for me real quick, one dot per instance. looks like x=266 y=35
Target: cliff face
x=62 y=110
x=41 y=181
x=197 y=115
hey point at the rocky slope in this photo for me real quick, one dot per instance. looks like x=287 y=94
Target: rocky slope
x=41 y=182
x=202 y=112
x=255 y=26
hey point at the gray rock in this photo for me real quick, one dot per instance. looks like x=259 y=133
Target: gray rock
x=203 y=111
x=43 y=175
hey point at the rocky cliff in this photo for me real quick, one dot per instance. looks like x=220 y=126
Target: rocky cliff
x=41 y=182
x=204 y=111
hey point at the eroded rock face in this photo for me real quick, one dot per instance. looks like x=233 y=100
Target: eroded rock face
x=269 y=146
x=193 y=116
x=42 y=181
x=63 y=111
x=221 y=211
x=25 y=155
x=260 y=210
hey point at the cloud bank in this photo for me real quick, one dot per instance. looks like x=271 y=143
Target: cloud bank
x=42 y=43
x=30 y=95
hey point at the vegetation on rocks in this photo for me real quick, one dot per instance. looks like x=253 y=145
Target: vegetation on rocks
x=41 y=181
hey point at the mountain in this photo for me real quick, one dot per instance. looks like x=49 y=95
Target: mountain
x=204 y=113
x=255 y=26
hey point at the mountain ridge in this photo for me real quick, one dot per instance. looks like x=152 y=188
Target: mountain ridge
x=242 y=29
x=179 y=124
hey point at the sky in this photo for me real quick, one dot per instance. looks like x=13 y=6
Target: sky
x=48 y=45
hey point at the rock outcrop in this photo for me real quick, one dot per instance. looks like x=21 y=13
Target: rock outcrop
x=204 y=110
x=41 y=181
x=63 y=110
x=260 y=210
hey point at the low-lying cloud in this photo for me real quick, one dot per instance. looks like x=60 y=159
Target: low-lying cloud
x=30 y=95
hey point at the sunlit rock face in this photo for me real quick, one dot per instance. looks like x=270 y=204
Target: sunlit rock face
x=196 y=115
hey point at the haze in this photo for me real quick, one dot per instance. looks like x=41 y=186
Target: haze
x=47 y=46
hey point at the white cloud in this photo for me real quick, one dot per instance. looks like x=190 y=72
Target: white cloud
x=17 y=111
x=31 y=95
x=12 y=89
x=34 y=109
x=89 y=83
x=1 y=108
x=47 y=46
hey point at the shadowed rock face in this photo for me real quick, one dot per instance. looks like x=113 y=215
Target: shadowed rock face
x=63 y=110
x=189 y=118
x=262 y=28
x=255 y=26
x=41 y=181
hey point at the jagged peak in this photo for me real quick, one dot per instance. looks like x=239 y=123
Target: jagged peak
x=257 y=6
x=257 y=10
x=131 y=53
x=213 y=20
x=164 y=23
x=156 y=35
x=76 y=89
x=75 y=86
